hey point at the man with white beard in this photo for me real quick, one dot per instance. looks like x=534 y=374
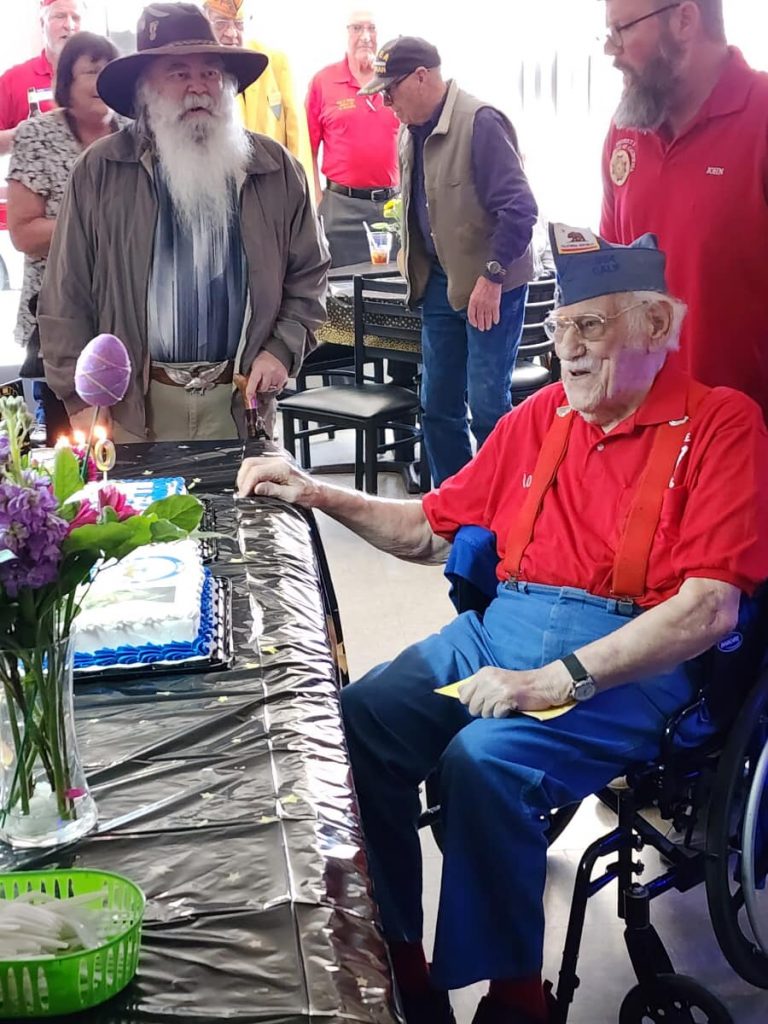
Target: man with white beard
x=687 y=158
x=191 y=239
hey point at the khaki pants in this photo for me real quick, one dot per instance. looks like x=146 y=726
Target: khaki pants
x=175 y=414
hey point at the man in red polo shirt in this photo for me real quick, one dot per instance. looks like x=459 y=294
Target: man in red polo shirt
x=359 y=139
x=598 y=608
x=27 y=87
x=687 y=158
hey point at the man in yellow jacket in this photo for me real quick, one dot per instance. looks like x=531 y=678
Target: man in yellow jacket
x=268 y=106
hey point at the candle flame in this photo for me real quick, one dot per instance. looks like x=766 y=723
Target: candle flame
x=79 y=437
x=62 y=441
x=100 y=433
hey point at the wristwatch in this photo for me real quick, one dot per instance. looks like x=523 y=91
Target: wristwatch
x=494 y=269
x=583 y=684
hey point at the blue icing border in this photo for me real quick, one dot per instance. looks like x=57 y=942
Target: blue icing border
x=148 y=654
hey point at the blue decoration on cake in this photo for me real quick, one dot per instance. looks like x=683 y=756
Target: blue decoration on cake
x=142 y=492
x=149 y=654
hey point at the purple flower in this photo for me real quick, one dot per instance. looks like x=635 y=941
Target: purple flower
x=5 y=448
x=30 y=529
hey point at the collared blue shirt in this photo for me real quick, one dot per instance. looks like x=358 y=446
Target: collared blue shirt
x=198 y=286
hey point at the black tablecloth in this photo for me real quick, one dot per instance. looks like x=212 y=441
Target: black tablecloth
x=226 y=796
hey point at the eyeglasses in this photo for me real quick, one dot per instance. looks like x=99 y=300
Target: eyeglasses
x=614 y=34
x=588 y=326
x=222 y=24
x=387 y=93
x=358 y=27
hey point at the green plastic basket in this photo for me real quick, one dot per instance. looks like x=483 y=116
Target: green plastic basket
x=76 y=981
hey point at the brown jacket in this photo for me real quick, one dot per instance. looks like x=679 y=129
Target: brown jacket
x=99 y=265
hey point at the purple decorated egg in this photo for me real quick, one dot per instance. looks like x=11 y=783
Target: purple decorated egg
x=103 y=371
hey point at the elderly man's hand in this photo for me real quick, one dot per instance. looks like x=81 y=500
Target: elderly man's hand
x=276 y=478
x=484 y=309
x=267 y=374
x=495 y=692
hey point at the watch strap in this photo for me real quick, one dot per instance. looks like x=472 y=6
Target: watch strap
x=578 y=673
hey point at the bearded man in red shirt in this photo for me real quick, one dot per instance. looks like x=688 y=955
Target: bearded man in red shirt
x=686 y=158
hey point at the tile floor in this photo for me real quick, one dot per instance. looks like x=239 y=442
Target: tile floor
x=386 y=604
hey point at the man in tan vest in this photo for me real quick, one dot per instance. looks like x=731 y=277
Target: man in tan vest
x=468 y=216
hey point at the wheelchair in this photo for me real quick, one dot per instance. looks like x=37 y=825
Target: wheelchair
x=721 y=786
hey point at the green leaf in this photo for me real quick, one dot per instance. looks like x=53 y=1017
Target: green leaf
x=109 y=515
x=162 y=531
x=69 y=511
x=183 y=510
x=66 y=475
x=75 y=569
x=112 y=540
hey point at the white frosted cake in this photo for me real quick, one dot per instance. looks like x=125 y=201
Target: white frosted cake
x=138 y=493
x=154 y=596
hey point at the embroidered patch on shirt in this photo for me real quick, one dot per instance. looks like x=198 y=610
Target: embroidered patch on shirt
x=571 y=240
x=623 y=161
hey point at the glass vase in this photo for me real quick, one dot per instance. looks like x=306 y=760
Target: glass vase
x=44 y=797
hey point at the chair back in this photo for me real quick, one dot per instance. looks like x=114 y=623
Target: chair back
x=375 y=300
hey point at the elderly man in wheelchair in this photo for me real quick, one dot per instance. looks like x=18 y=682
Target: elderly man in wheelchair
x=628 y=506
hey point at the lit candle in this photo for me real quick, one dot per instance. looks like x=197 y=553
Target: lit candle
x=79 y=437
x=62 y=441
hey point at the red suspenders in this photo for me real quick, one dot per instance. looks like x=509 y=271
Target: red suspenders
x=631 y=564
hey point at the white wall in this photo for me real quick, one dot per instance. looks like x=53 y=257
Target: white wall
x=540 y=61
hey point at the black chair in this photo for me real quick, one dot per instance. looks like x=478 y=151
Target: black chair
x=367 y=407
x=720 y=786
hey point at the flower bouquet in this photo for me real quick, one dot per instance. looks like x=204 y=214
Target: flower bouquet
x=52 y=542
x=393 y=222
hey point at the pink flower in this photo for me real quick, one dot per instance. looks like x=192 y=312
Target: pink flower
x=87 y=515
x=110 y=496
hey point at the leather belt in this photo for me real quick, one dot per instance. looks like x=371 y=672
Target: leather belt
x=377 y=195
x=200 y=378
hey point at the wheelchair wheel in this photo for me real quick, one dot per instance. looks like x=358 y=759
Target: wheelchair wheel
x=672 y=999
x=737 y=843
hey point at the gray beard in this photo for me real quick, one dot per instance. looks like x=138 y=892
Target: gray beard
x=645 y=102
x=200 y=159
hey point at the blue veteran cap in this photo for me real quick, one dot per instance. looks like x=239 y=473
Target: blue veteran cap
x=588 y=266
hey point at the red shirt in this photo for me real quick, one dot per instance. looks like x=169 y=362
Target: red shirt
x=713 y=522
x=14 y=101
x=358 y=133
x=705 y=194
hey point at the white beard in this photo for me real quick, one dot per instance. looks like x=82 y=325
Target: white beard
x=201 y=154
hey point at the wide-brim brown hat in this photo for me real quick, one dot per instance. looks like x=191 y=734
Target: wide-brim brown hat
x=172 y=30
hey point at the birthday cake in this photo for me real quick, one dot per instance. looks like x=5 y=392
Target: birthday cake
x=155 y=606
x=138 y=493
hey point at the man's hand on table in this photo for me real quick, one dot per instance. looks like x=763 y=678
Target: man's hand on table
x=495 y=692
x=267 y=375
x=276 y=478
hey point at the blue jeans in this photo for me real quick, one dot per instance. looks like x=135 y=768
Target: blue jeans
x=499 y=778
x=463 y=363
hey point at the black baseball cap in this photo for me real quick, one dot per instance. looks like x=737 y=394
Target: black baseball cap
x=399 y=58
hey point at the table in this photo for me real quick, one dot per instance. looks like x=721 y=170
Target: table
x=364 y=270
x=226 y=796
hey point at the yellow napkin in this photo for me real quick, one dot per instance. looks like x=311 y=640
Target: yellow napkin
x=453 y=691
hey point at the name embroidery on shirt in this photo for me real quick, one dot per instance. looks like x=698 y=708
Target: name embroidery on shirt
x=718 y=172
